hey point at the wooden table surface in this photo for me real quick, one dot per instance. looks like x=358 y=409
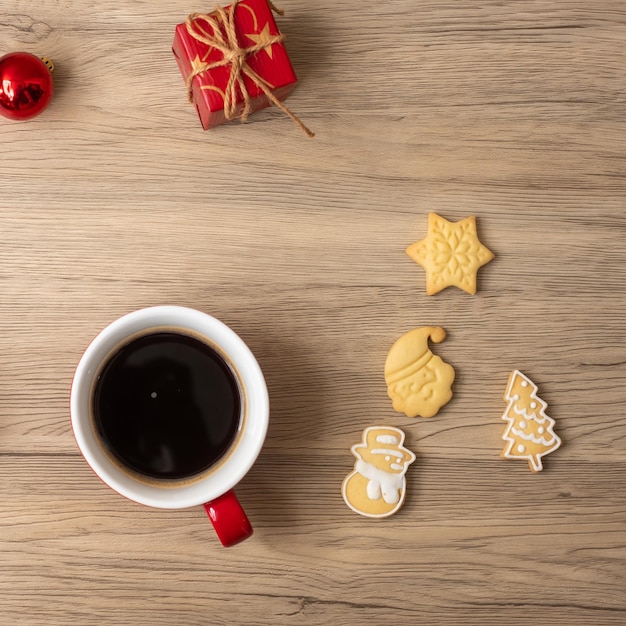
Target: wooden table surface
x=115 y=199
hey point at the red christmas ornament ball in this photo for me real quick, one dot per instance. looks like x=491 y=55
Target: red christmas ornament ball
x=26 y=85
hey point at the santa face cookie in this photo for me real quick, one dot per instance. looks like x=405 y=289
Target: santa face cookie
x=418 y=382
x=377 y=486
x=530 y=432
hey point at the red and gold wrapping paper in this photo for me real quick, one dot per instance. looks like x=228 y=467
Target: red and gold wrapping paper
x=254 y=25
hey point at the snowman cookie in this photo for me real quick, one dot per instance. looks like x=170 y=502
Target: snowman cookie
x=377 y=485
x=418 y=381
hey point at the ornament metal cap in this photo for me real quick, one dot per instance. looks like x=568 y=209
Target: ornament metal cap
x=48 y=63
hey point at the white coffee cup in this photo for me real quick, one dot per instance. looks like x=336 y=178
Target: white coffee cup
x=211 y=488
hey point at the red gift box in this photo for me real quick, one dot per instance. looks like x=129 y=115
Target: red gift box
x=234 y=62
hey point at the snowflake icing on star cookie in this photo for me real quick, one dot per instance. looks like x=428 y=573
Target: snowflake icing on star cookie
x=451 y=254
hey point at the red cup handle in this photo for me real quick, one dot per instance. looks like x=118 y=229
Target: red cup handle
x=229 y=519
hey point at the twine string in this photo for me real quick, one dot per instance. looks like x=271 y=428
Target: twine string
x=235 y=56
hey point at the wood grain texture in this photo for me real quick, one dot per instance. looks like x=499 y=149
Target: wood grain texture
x=115 y=199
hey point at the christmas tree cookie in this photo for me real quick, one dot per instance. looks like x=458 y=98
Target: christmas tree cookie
x=377 y=486
x=530 y=432
x=451 y=254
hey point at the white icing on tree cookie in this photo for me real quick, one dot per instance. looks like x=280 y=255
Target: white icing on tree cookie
x=529 y=433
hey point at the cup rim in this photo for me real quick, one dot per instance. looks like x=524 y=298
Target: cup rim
x=174 y=495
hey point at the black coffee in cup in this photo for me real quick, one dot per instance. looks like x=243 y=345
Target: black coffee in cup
x=167 y=405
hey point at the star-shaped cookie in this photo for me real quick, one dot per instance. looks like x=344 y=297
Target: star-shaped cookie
x=451 y=254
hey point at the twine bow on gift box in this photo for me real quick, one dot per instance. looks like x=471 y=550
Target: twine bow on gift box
x=235 y=56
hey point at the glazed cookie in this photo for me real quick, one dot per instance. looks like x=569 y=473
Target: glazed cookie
x=377 y=486
x=418 y=382
x=530 y=432
x=451 y=254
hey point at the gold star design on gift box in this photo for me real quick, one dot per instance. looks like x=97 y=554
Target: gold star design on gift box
x=197 y=63
x=451 y=254
x=264 y=38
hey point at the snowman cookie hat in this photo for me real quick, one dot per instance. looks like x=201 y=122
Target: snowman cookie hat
x=386 y=441
x=411 y=353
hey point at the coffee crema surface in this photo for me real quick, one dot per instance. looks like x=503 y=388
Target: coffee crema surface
x=167 y=405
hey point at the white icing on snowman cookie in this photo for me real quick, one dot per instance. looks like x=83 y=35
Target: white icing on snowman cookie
x=377 y=486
